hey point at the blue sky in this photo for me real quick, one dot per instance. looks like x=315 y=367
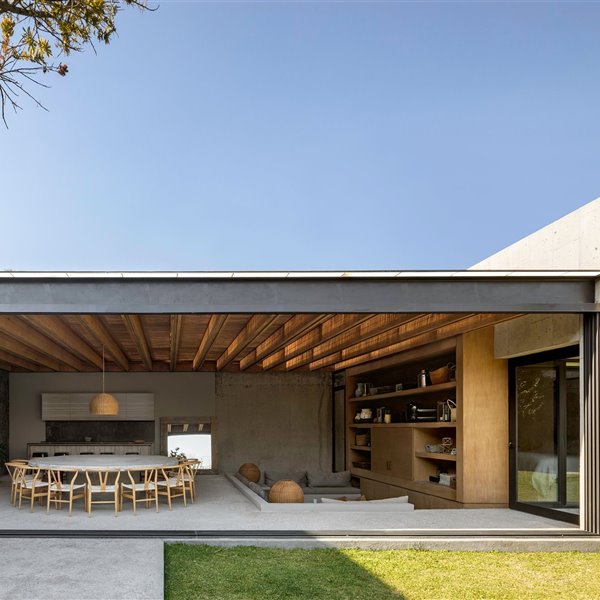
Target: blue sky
x=307 y=136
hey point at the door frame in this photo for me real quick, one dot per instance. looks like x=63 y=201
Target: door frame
x=513 y=363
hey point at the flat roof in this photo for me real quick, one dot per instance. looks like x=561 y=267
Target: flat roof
x=285 y=292
x=369 y=274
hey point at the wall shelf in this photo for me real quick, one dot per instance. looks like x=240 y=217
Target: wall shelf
x=361 y=448
x=430 y=389
x=426 y=425
x=436 y=456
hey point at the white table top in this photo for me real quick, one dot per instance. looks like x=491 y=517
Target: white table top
x=103 y=461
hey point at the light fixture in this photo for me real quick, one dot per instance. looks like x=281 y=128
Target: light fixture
x=104 y=404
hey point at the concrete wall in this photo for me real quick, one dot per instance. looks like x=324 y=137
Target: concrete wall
x=175 y=394
x=535 y=333
x=572 y=242
x=276 y=420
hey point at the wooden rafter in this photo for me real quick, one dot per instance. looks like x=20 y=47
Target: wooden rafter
x=56 y=329
x=253 y=328
x=330 y=328
x=21 y=350
x=417 y=326
x=98 y=330
x=23 y=332
x=136 y=332
x=18 y=361
x=468 y=323
x=290 y=331
x=212 y=331
x=372 y=327
x=174 y=340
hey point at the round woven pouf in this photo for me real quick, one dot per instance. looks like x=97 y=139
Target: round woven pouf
x=286 y=491
x=250 y=471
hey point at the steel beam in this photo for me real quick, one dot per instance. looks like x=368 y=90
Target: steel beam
x=417 y=294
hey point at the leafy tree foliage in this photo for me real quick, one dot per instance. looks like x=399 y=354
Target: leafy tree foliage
x=36 y=34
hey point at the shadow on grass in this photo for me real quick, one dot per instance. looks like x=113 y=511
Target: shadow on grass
x=197 y=571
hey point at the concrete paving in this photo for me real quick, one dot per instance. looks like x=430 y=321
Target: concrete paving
x=52 y=569
x=221 y=507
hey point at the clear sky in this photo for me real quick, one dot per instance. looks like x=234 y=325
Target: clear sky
x=297 y=135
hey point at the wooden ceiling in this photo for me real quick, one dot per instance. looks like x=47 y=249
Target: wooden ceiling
x=218 y=342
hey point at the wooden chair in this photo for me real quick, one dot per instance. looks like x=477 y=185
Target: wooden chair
x=191 y=471
x=173 y=485
x=14 y=471
x=98 y=483
x=146 y=487
x=32 y=484
x=64 y=481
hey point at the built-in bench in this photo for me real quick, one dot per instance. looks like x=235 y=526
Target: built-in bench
x=316 y=498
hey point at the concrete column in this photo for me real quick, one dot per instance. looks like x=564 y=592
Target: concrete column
x=3 y=419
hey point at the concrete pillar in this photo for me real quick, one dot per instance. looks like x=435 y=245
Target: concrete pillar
x=3 y=419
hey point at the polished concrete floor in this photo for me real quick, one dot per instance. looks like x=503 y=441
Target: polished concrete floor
x=221 y=507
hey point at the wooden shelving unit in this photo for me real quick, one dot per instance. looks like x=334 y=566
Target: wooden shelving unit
x=399 y=463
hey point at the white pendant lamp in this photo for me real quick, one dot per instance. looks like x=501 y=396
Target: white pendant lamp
x=104 y=404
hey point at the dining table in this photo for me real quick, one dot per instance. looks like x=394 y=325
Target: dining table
x=121 y=462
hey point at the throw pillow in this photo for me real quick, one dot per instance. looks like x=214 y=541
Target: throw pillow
x=272 y=477
x=322 y=479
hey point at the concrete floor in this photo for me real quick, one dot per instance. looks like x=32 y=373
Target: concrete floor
x=221 y=507
x=70 y=568
x=51 y=569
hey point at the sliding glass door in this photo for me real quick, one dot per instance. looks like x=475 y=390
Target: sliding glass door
x=545 y=440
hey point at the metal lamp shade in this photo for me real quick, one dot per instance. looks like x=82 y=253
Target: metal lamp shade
x=104 y=404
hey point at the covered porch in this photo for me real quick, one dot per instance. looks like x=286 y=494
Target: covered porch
x=267 y=366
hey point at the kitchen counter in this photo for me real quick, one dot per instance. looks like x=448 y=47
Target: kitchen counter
x=53 y=448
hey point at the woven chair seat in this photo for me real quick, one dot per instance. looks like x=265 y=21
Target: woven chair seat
x=99 y=488
x=28 y=483
x=172 y=482
x=139 y=487
x=66 y=487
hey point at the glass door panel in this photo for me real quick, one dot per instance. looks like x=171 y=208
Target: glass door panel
x=537 y=448
x=545 y=435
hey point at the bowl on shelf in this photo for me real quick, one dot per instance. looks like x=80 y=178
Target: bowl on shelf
x=434 y=448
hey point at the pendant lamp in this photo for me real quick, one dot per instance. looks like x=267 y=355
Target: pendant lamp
x=104 y=404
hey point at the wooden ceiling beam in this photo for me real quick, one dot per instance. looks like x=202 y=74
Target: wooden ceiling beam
x=289 y=332
x=98 y=330
x=253 y=328
x=135 y=328
x=24 y=351
x=419 y=325
x=18 y=361
x=330 y=328
x=174 y=340
x=212 y=331
x=370 y=328
x=469 y=323
x=23 y=332
x=56 y=329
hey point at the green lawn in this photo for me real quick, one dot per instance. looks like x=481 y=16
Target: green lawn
x=193 y=571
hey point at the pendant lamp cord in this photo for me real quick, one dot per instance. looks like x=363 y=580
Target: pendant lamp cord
x=103 y=368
